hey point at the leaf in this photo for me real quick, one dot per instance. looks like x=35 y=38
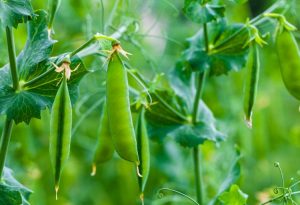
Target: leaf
x=238 y=1
x=234 y=196
x=35 y=93
x=167 y=119
x=191 y=136
x=202 y=12
x=227 y=51
x=164 y=115
x=183 y=83
x=14 y=12
x=233 y=175
x=11 y=191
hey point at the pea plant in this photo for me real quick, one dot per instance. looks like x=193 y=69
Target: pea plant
x=135 y=107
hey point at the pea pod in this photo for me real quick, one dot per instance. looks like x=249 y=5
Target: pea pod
x=118 y=110
x=143 y=150
x=53 y=7
x=60 y=130
x=289 y=59
x=253 y=68
x=105 y=149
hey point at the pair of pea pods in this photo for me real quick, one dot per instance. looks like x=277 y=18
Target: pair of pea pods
x=289 y=59
x=117 y=131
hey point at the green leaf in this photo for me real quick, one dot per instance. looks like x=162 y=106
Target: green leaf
x=190 y=136
x=11 y=191
x=202 y=12
x=232 y=176
x=183 y=83
x=165 y=115
x=227 y=51
x=34 y=62
x=14 y=12
x=171 y=118
x=238 y=1
x=234 y=196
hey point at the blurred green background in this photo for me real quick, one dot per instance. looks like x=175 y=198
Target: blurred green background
x=156 y=46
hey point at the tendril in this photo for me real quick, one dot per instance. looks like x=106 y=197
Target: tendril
x=277 y=165
x=161 y=194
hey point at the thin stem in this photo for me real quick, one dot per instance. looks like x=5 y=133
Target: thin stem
x=12 y=57
x=280 y=196
x=198 y=175
x=6 y=134
x=96 y=37
x=111 y=16
x=206 y=37
x=274 y=199
x=201 y=81
x=102 y=16
x=196 y=151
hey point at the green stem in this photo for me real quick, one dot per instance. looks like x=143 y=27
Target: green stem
x=12 y=57
x=281 y=196
x=196 y=149
x=6 y=134
x=198 y=175
x=200 y=86
x=96 y=37
x=102 y=16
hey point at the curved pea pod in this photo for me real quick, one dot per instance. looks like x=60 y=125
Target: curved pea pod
x=289 y=59
x=143 y=150
x=105 y=149
x=60 y=130
x=118 y=110
x=253 y=68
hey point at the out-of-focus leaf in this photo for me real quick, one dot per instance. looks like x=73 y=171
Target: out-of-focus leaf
x=11 y=191
x=227 y=50
x=13 y=12
x=233 y=175
x=191 y=136
x=165 y=114
x=163 y=121
x=238 y=1
x=234 y=196
x=203 y=12
x=32 y=62
x=183 y=83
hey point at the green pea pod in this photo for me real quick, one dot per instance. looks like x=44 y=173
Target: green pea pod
x=289 y=59
x=53 y=7
x=143 y=150
x=253 y=68
x=118 y=110
x=105 y=149
x=60 y=130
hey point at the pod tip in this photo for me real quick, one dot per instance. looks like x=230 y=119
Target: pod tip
x=94 y=170
x=56 y=191
x=138 y=171
x=248 y=121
